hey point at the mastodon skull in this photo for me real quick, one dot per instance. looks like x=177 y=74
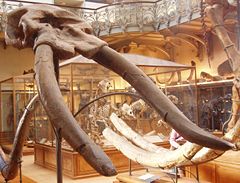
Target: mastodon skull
x=32 y=25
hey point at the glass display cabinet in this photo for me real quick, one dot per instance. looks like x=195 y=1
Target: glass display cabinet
x=7 y=111
x=44 y=133
x=15 y=93
x=82 y=80
x=215 y=102
x=24 y=90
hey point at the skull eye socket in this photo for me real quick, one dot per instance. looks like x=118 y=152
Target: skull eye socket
x=54 y=22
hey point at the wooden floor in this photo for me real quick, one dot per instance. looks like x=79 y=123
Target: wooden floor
x=160 y=178
x=17 y=180
x=26 y=150
x=42 y=175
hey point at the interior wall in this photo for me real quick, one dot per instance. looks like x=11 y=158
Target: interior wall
x=185 y=54
x=217 y=56
x=13 y=62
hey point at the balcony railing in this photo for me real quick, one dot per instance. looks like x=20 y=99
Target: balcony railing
x=126 y=17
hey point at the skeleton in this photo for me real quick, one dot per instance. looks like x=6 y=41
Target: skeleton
x=158 y=124
x=58 y=34
x=99 y=112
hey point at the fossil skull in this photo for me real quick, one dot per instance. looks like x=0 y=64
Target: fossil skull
x=67 y=34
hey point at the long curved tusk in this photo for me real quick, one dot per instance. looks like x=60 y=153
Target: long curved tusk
x=174 y=117
x=60 y=115
x=9 y=167
x=159 y=160
x=196 y=155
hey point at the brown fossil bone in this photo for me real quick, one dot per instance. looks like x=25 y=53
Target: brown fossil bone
x=58 y=34
x=60 y=115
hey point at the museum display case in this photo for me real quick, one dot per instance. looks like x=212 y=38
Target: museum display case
x=214 y=103
x=24 y=90
x=6 y=112
x=15 y=92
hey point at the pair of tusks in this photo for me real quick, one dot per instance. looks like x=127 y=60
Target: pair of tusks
x=62 y=118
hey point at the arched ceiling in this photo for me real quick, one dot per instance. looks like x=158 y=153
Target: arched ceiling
x=166 y=44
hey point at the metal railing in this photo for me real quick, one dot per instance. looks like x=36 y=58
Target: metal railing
x=126 y=16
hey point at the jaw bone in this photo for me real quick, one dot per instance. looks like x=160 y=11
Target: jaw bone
x=151 y=155
x=152 y=159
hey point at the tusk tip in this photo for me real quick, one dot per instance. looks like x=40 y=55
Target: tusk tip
x=108 y=170
x=236 y=146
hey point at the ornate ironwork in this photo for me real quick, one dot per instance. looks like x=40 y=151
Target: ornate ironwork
x=127 y=17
